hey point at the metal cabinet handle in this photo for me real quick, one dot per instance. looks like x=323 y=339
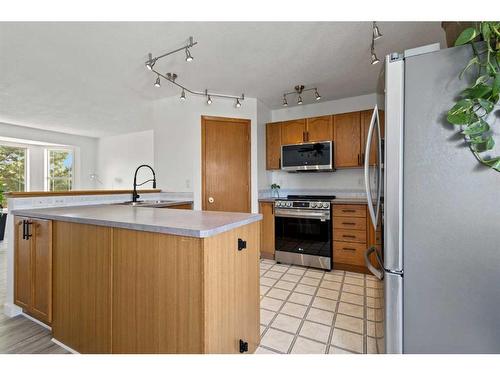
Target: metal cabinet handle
x=348 y=210
x=348 y=249
x=348 y=236
x=349 y=223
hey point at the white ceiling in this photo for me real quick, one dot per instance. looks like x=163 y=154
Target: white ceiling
x=89 y=78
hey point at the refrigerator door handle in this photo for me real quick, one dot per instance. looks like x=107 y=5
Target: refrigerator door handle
x=373 y=212
x=379 y=274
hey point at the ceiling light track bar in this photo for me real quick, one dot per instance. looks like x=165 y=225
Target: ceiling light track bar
x=154 y=59
x=200 y=93
x=171 y=77
x=303 y=90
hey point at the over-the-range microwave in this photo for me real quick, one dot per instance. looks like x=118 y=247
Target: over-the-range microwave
x=311 y=156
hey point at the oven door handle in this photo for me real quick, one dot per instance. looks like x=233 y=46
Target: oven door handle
x=301 y=215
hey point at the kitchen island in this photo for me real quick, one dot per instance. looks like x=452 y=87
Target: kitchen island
x=121 y=279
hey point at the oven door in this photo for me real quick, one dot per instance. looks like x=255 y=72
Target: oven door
x=303 y=237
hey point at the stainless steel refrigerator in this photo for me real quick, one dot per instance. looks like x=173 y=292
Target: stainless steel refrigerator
x=440 y=213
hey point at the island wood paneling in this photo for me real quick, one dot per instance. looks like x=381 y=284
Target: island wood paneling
x=82 y=286
x=42 y=270
x=157 y=293
x=125 y=291
x=231 y=289
x=22 y=266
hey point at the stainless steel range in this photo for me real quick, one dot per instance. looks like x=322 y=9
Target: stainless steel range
x=303 y=230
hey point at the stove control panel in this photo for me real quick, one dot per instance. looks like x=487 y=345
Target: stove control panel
x=316 y=205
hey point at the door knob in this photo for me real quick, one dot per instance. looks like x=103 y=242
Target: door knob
x=211 y=200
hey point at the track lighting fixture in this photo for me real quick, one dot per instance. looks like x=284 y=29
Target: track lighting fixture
x=374 y=58
x=171 y=77
x=299 y=89
x=376 y=34
x=188 y=56
x=157 y=83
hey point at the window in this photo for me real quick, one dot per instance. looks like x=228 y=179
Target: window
x=12 y=168
x=59 y=170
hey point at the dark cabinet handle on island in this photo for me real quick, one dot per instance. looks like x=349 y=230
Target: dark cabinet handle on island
x=241 y=244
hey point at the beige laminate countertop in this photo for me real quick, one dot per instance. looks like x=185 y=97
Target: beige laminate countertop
x=188 y=223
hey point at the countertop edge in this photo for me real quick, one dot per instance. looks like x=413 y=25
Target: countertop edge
x=141 y=227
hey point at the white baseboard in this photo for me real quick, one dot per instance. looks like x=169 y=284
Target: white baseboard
x=37 y=321
x=73 y=351
x=11 y=310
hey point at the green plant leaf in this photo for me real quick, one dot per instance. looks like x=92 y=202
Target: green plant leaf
x=466 y=36
x=486 y=31
x=486 y=105
x=473 y=61
x=480 y=144
x=477 y=91
x=493 y=163
x=476 y=128
x=496 y=86
x=483 y=79
x=461 y=113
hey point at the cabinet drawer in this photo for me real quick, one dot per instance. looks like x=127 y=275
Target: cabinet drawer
x=351 y=210
x=349 y=253
x=357 y=223
x=349 y=235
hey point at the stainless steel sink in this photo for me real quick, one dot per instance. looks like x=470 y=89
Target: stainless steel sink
x=151 y=203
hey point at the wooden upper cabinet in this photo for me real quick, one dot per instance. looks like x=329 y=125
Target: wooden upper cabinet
x=273 y=145
x=347 y=135
x=293 y=131
x=319 y=129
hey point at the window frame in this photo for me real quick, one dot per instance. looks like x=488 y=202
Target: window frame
x=47 y=177
x=26 y=160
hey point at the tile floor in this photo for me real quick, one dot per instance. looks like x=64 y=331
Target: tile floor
x=309 y=311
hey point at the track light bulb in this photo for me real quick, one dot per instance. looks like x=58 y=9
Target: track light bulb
x=183 y=95
x=376 y=32
x=375 y=60
x=299 y=100
x=209 y=100
x=188 y=56
x=150 y=64
x=285 y=103
x=238 y=104
x=316 y=94
x=158 y=83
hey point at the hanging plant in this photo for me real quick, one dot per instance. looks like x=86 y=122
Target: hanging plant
x=478 y=100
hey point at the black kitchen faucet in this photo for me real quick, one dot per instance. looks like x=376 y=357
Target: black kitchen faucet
x=134 y=193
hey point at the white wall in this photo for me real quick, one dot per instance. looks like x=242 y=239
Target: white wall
x=351 y=179
x=263 y=117
x=177 y=141
x=120 y=155
x=85 y=149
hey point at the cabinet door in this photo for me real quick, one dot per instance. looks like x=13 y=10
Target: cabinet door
x=22 y=266
x=319 y=129
x=293 y=131
x=267 y=230
x=347 y=140
x=273 y=146
x=42 y=270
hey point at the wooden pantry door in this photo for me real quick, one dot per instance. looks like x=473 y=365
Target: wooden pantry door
x=225 y=149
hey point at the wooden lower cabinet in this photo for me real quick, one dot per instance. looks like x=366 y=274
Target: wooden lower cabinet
x=33 y=267
x=353 y=234
x=124 y=291
x=267 y=234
